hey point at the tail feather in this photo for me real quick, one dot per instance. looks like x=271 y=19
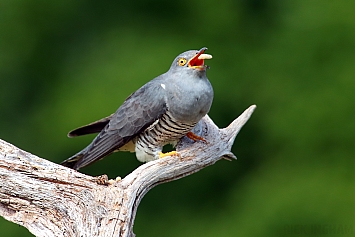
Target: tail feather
x=72 y=161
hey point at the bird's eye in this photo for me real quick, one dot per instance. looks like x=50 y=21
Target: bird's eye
x=182 y=61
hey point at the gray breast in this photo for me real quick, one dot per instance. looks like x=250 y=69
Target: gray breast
x=189 y=99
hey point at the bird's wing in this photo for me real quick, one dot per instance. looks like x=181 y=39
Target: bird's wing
x=94 y=127
x=137 y=113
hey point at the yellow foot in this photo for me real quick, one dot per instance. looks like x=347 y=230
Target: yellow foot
x=171 y=153
x=194 y=137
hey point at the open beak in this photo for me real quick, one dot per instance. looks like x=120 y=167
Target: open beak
x=197 y=62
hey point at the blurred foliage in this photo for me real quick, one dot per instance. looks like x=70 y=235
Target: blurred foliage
x=67 y=63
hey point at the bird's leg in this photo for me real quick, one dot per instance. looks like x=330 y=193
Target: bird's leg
x=171 y=153
x=194 y=137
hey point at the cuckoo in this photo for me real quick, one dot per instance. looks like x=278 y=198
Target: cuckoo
x=160 y=112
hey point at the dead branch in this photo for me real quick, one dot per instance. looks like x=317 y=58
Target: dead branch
x=52 y=200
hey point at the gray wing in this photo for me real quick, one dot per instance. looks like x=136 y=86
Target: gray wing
x=137 y=113
x=94 y=127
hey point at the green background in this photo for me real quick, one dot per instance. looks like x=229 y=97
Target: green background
x=67 y=63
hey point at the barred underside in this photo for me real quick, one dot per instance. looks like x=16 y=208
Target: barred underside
x=166 y=130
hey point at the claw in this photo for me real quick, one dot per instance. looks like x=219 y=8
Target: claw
x=171 y=153
x=194 y=137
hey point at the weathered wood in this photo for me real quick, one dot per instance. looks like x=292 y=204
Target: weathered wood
x=52 y=200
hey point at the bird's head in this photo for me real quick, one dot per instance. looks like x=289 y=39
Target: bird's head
x=192 y=60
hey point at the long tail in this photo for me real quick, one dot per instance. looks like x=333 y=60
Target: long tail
x=72 y=161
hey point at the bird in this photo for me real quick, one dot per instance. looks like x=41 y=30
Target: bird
x=161 y=112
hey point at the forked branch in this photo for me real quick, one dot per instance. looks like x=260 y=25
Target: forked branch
x=52 y=200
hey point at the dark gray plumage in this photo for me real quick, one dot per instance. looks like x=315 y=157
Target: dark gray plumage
x=160 y=112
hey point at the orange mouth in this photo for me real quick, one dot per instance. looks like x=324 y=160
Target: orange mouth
x=198 y=61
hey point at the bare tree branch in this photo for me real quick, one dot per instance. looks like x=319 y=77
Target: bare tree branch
x=52 y=200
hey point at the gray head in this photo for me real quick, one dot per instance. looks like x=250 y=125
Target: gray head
x=191 y=61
